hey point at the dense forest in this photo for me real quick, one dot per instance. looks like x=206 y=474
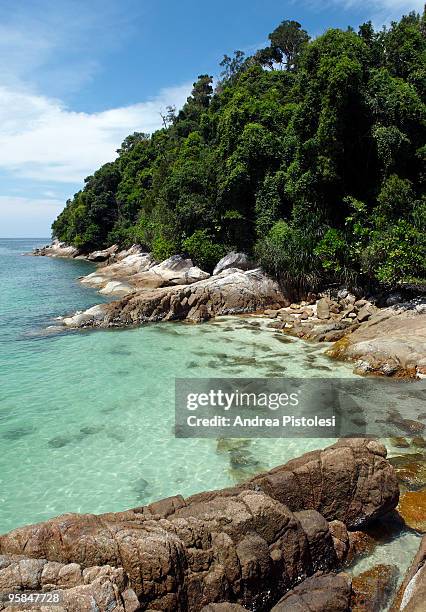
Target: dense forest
x=309 y=155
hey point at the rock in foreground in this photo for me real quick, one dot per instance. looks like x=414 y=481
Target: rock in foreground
x=248 y=545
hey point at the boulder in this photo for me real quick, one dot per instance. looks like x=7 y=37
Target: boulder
x=411 y=595
x=319 y=593
x=178 y=271
x=366 y=312
x=248 y=544
x=372 y=590
x=323 y=308
x=232 y=260
x=103 y=255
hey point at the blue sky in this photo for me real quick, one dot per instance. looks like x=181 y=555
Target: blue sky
x=77 y=77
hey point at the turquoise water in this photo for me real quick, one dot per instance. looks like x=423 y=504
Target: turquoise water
x=86 y=418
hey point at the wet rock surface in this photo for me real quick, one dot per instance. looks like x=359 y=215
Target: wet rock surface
x=320 y=593
x=412 y=508
x=372 y=589
x=249 y=544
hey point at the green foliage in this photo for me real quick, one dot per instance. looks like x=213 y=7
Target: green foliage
x=332 y=250
x=310 y=154
x=203 y=250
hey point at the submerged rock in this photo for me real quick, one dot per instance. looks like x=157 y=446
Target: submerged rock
x=372 y=589
x=412 y=508
x=248 y=544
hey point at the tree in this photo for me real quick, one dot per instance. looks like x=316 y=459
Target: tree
x=288 y=39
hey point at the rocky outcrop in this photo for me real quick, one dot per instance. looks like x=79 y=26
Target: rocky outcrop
x=233 y=260
x=411 y=596
x=138 y=270
x=57 y=249
x=389 y=343
x=230 y=292
x=248 y=545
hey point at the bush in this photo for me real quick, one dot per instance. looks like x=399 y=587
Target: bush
x=201 y=248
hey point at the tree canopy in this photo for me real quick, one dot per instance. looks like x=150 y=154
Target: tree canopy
x=309 y=155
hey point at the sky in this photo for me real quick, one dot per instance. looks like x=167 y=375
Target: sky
x=77 y=77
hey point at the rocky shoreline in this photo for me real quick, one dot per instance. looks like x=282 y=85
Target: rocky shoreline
x=388 y=340
x=271 y=543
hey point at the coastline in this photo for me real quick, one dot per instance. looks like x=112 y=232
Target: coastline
x=389 y=340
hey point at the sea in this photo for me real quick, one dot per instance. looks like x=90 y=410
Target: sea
x=87 y=417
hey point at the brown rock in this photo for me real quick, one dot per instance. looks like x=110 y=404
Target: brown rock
x=323 y=309
x=320 y=593
x=372 y=589
x=224 y=607
x=412 y=508
x=248 y=544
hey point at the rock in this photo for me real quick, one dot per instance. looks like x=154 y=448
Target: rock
x=249 y=544
x=419 y=442
x=393 y=299
x=360 y=303
x=80 y=590
x=272 y=314
x=323 y=309
x=410 y=470
x=57 y=249
x=366 y=312
x=399 y=442
x=301 y=482
x=412 y=508
x=372 y=589
x=103 y=255
x=411 y=595
x=224 y=607
x=390 y=342
x=361 y=544
x=233 y=260
x=230 y=292
x=342 y=294
x=178 y=271
x=319 y=593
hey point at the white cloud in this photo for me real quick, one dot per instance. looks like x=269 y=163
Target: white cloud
x=41 y=139
x=22 y=217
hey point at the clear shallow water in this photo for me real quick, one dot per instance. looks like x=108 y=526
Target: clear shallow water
x=86 y=418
